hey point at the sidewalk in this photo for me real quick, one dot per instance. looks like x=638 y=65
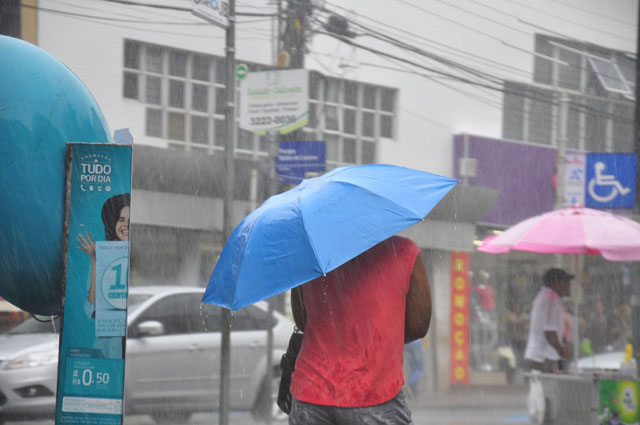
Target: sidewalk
x=477 y=396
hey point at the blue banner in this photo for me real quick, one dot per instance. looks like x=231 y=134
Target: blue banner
x=92 y=341
x=296 y=159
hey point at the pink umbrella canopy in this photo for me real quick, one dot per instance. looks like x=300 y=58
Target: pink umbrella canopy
x=575 y=230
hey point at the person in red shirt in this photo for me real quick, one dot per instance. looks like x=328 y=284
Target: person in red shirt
x=356 y=320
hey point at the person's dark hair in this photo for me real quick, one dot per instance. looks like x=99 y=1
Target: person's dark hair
x=111 y=213
x=554 y=275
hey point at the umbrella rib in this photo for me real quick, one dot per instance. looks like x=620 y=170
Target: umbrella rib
x=304 y=226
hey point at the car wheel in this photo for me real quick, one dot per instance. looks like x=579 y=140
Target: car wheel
x=262 y=408
x=172 y=418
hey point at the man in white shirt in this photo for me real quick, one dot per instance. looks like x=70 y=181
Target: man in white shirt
x=546 y=344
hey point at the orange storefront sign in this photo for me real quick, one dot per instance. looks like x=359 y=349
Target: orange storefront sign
x=459 y=318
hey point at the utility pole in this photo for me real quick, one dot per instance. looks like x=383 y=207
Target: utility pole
x=290 y=53
x=230 y=121
x=293 y=44
x=294 y=41
x=563 y=116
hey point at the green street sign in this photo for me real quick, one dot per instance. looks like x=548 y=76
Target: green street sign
x=241 y=71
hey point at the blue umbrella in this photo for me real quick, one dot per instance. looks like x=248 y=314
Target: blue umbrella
x=317 y=226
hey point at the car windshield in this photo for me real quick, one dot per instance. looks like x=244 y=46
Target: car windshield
x=46 y=324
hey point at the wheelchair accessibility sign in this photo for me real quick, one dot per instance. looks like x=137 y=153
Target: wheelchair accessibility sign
x=610 y=180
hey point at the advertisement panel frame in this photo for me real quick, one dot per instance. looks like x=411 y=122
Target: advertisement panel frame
x=95 y=281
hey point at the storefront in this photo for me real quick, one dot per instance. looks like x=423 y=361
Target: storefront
x=502 y=287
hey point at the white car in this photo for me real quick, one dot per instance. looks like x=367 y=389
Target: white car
x=172 y=362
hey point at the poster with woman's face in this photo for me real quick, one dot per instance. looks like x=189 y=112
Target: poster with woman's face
x=92 y=343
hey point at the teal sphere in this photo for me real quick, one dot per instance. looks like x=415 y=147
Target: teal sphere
x=43 y=105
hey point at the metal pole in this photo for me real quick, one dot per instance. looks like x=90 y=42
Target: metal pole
x=273 y=153
x=230 y=117
x=563 y=116
x=576 y=294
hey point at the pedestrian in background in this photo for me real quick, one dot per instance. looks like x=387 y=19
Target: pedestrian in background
x=547 y=344
x=413 y=357
x=356 y=320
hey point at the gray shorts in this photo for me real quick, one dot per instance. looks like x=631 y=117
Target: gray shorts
x=393 y=412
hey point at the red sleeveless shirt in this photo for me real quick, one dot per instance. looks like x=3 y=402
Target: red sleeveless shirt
x=351 y=353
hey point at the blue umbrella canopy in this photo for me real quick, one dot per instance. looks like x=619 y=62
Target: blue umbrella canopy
x=317 y=226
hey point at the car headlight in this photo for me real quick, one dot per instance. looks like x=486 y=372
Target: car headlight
x=35 y=359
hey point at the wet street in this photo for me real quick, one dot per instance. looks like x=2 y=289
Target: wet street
x=480 y=405
x=421 y=416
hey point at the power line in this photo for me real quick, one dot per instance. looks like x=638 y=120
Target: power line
x=433 y=78
x=130 y=21
x=437 y=58
x=127 y=12
x=630 y=23
x=424 y=118
x=453 y=21
x=389 y=55
x=503 y=42
x=448 y=48
x=100 y=20
x=565 y=19
x=452 y=64
x=484 y=17
x=106 y=18
x=155 y=6
x=522 y=21
x=180 y=9
x=529 y=92
x=489 y=102
x=579 y=67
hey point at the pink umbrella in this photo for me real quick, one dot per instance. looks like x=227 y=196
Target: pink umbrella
x=575 y=230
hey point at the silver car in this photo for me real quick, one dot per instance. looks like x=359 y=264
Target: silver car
x=172 y=363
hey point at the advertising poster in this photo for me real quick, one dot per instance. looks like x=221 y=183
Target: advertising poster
x=459 y=318
x=618 y=402
x=92 y=341
x=274 y=101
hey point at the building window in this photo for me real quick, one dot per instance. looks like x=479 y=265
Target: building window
x=185 y=97
x=131 y=55
x=200 y=97
x=349 y=150
x=351 y=116
x=176 y=126
x=153 y=91
x=176 y=94
x=601 y=106
x=130 y=89
x=153 y=56
x=154 y=122
x=177 y=63
x=200 y=130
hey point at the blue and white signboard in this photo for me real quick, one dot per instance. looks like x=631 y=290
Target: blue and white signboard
x=296 y=159
x=610 y=180
x=112 y=270
x=574 y=179
x=92 y=340
x=214 y=11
